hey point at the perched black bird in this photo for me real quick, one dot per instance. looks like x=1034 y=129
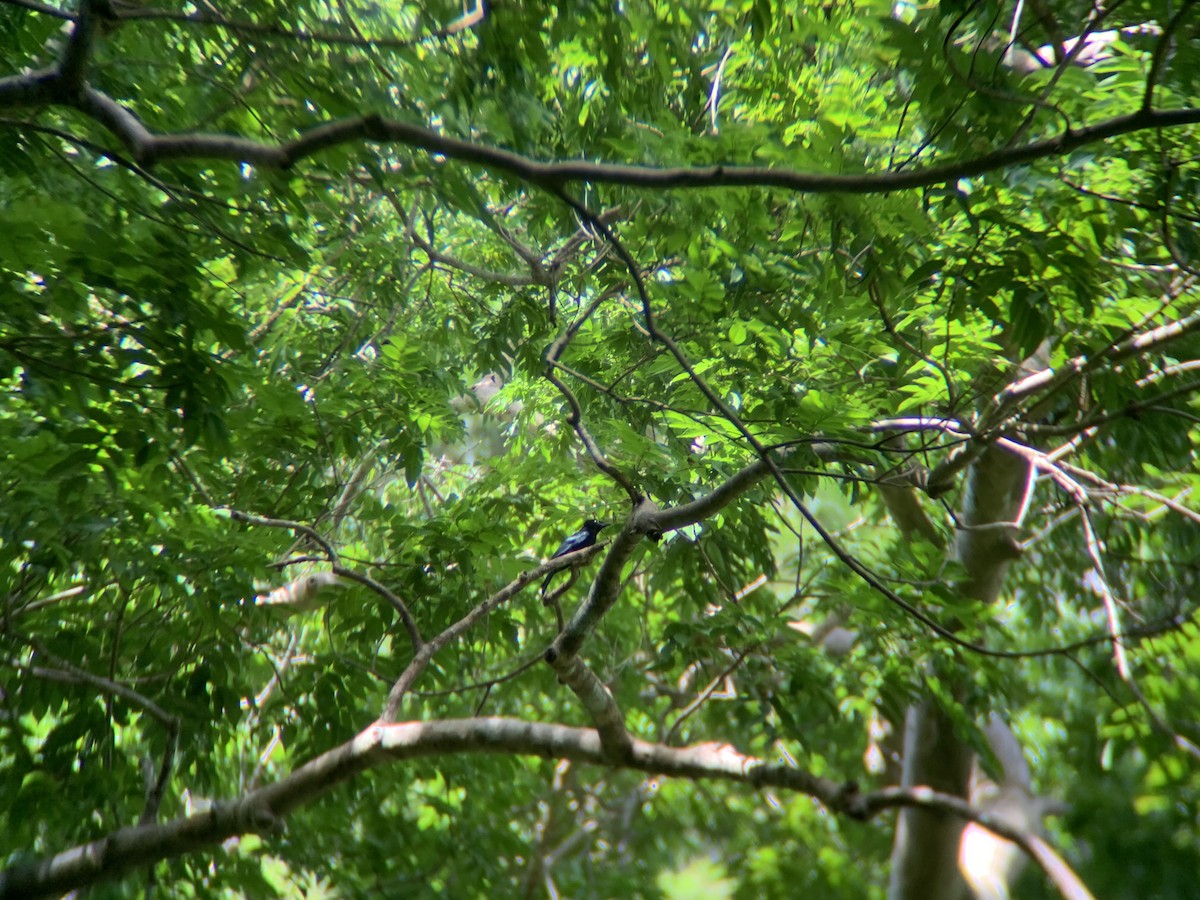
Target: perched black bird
x=584 y=537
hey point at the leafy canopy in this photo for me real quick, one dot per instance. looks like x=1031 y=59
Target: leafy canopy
x=358 y=342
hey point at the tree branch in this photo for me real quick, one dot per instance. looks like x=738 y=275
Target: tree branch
x=299 y=527
x=380 y=744
x=147 y=149
x=425 y=653
x=1049 y=380
x=467 y=20
x=72 y=66
x=575 y=420
x=1162 y=50
x=71 y=674
x=410 y=624
x=600 y=704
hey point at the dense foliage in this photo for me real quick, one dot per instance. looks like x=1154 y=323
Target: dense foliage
x=422 y=364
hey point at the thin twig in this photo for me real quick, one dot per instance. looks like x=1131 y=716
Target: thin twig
x=700 y=699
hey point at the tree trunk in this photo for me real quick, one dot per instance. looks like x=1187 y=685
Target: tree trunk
x=925 y=852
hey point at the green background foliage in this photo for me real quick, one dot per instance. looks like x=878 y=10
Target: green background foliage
x=200 y=336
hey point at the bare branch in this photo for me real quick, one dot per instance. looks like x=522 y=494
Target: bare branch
x=575 y=420
x=72 y=674
x=425 y=653
x=600 y=704
x=380 y=744
x=48 y=87
x=299 y=527
x=1171 y=503
x=700 y=699
x=1105 y=591
x=714 y=501
x=467 y=20
x=410 y=624
x=57 y=597
x=554 y=174
x=1162 y=50
x=512 y=279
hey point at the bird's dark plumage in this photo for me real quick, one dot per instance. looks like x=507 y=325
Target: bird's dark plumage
x=584 y=537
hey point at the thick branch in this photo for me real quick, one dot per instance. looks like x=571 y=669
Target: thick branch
x=559 y=173
x=381 y=744
x=147 y=149
x=600 y=599
x=1048 y=380
x=600 y=704
x=713 y=502
x=72 y=66
x=647 y=518
x=468 y=19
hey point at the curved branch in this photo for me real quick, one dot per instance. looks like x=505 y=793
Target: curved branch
x=148 y=148
x=380 y=744
x=575 y=420
x=410 y=624
x=72 y=66
x=63 y=85
x=311 y=533
x=73 y=675
x=553 y=174
x=467 y=20
x=600 y=704
x=1162 y=51
x=424 y=654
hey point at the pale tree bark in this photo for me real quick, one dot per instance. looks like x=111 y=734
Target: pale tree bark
x=381 y=744
x=989 y=863
x=925 y=852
